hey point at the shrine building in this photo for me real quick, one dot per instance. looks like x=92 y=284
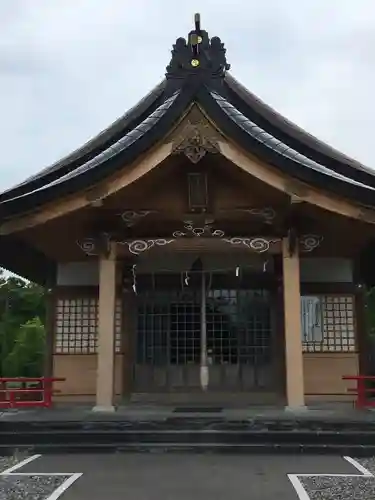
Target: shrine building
x=201 y=249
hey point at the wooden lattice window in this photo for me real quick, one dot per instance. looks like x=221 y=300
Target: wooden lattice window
x=328 y=323
x=77 y=326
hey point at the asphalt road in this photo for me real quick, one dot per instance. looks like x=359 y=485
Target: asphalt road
x=187 y=477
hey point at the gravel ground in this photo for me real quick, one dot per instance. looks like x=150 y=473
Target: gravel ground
x=29 y=487
x=339 y=488
x=367 y=463
x=6 y=462
x=13 y=487
x=342 y=488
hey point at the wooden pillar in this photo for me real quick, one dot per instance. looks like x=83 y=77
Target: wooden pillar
x=50 y=322
x=105 y=376
x=50 y=326
x=363 y=344
x=292 y=320
x=128 y=338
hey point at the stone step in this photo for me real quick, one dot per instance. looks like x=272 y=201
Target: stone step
x=49 y=433
x=185 y=437
x=174 y=435
x=182 y=423
x=198 y=447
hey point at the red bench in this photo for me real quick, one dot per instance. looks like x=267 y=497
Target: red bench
x=361 y=391
x=26 y=397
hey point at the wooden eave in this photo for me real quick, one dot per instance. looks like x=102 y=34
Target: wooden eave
x=228 y=148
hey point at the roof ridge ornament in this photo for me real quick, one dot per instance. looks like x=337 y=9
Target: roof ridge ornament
x=199 y=55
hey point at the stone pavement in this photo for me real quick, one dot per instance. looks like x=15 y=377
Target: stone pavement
x=186 y=477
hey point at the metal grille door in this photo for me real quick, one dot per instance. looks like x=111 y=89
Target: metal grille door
x=169 y=340
x=239 y=339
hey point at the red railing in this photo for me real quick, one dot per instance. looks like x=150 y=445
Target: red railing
x=26 y=397
x=361 y=390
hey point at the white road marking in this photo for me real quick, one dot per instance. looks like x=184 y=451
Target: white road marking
x=358 y=466
x=58 y=491
x=302 y=493
x=19 y=465
x=297 y=485
x=64 y=486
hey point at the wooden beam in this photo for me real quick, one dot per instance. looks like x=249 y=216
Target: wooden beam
x=293 y=187
x=129 y=234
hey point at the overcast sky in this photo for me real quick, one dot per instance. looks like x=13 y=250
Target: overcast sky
x=68 y=68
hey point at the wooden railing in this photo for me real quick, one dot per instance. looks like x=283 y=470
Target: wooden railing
x=15 y=392
x=361 y=390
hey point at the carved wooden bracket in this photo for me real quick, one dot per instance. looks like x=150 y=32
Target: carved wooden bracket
x=259 y=244
x=195 y=140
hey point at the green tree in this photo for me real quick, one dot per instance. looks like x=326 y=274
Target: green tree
x=22 y=315
x=26 y=358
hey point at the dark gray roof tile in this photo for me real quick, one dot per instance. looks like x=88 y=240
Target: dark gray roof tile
x=116 y=148
x=96 y=144
x=275 y=144
x=290 y=129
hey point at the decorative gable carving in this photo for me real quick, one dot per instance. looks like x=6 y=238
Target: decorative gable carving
x=195 y=140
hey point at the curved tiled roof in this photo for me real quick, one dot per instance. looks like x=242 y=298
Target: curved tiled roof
x=267 y=117
x=119 y=146
x=275 y=144
x=240 y=114
x=125 y=150
x=94 y=146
